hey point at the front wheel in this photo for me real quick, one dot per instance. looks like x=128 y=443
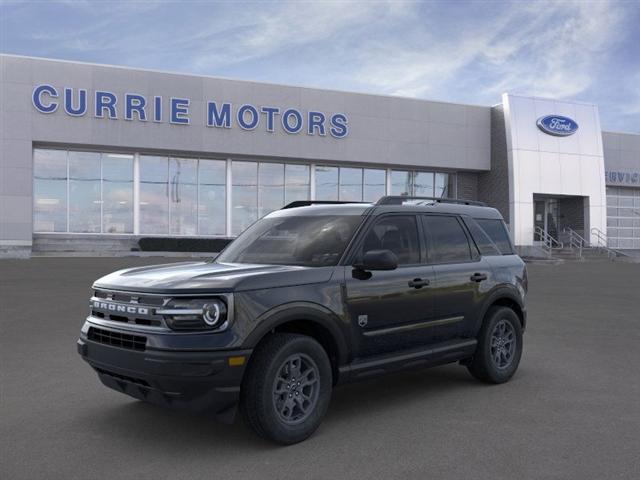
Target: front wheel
x=287 y=388
x=499 y=346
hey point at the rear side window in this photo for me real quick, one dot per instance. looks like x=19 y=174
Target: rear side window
x=447 y=241
x=484 y=243
x=497 y=232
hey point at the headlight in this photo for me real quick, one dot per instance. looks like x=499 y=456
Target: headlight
x=200 y=314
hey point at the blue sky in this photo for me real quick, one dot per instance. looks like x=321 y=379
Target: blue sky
x=459 y=51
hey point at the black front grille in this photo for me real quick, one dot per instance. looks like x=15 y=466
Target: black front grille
x=130 y=298
x=117 y=339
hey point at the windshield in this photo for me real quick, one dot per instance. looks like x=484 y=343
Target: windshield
x=311 y=241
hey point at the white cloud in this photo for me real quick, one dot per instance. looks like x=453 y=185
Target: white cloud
x=263 y=32
x=545 y=49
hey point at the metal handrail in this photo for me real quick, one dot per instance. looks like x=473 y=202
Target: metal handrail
x=603 y=244
x=548 y=241
x=576 y=241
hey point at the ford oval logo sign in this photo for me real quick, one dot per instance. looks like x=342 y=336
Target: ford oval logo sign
x=557 y=125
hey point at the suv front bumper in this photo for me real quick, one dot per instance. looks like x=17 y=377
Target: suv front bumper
x=201 y=381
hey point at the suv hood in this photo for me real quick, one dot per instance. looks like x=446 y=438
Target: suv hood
x=207 y=277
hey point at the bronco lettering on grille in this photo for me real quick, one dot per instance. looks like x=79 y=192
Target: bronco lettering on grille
x=115 y=307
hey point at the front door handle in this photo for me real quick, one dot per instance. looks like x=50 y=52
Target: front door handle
x=478 y=277
x=418 y=283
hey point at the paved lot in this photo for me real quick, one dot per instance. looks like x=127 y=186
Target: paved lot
x=572 y=411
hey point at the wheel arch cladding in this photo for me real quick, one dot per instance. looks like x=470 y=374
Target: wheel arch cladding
x=511 y=303
x=319 y=325
x=503 y=297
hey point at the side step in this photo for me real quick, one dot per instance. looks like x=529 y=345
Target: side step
x=432 y=355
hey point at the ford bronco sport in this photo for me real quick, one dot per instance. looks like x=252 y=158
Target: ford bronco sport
x=310 y=296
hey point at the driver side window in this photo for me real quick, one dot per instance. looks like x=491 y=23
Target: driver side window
x=398 y=234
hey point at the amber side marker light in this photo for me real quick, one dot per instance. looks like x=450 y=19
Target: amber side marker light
x=236 y=361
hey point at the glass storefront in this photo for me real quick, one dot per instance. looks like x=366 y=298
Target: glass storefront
x=623 y=217
x=94 y=192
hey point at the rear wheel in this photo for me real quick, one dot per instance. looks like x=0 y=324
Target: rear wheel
x=287 y=388
x=499 y=346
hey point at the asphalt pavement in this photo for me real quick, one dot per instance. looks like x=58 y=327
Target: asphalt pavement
x=571 y=412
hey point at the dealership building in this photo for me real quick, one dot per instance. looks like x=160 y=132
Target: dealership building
x=96 y=158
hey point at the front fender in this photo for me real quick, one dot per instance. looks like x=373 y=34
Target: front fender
x=308 y=311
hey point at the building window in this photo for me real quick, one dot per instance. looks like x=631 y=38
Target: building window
x=99 y=188
x=117 y=193
x=212 y=197
x=270 y=187
x=401 y=183
x=85 y=203
x=183 y=196
x=244 y=195
x=326 y=183
x=154 y=195
x=441 y=188
x=92 y=192
x=296 y=183
x=350 y=184
x=50 y=190
x=423 y=184
x=375 y=185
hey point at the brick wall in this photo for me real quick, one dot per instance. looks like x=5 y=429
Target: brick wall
x=467 y=185
x=493 y=186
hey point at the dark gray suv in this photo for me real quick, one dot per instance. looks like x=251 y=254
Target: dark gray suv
x=315 y=294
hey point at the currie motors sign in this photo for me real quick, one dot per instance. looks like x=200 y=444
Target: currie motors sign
x=131 y=106
x=557 y=125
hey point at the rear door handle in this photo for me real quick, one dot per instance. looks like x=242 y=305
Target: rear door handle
x=478 y=277
x=418 y=283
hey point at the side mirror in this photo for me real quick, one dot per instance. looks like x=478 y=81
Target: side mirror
x=378 y=260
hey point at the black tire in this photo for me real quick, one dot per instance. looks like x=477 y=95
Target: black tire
x=493 y=361
x=265 y=403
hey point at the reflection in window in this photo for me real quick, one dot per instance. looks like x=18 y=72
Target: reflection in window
x=154 y=195
x=50 y=190
x=212 y=175
x=423 y=184
x=351 y=184
x=84 y=192
x=448 y=242
x=441 y=186
x=374 y=185
x=91 y=192
x=117 y=193
x=244 y=198
x=326 y=183
x=271 y=188
x=183 y=193
x=398 y=234
x=400 y=183
x=296 y=183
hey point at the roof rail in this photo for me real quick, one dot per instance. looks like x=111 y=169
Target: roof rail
x=306 y=203
x=400 y=199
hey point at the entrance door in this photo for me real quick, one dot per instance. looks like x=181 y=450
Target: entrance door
x=539 y=219
x=545 y=216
